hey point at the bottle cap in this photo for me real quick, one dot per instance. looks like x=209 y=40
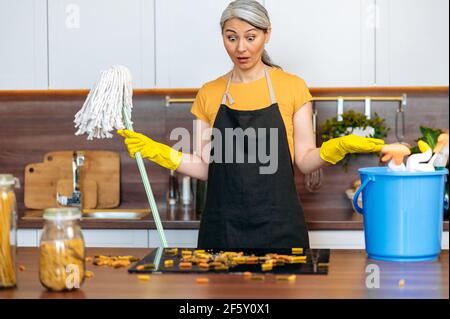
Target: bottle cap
x=9 y=180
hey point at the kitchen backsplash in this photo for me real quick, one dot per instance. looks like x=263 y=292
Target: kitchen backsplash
x=32 y=125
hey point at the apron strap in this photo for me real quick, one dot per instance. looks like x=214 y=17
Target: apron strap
x=227 y=92
x=269 y=85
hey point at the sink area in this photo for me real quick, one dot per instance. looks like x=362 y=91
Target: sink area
x=115 y=213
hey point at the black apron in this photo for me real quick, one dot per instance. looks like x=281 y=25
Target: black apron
x=244 y=208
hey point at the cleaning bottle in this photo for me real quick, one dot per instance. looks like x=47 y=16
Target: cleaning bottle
x=441 y=159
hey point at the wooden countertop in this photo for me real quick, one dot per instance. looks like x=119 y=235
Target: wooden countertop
x=180 y=217
x=346 y=279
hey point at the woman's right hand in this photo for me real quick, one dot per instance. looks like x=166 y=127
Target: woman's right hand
x=159 y=153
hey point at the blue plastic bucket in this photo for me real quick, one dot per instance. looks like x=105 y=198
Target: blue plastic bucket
x=403 y=213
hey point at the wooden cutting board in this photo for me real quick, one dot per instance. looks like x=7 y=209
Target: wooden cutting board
x=40 y=185
x=102 y=168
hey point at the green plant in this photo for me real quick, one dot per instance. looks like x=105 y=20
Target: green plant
x=429 y=135
x=333 y=128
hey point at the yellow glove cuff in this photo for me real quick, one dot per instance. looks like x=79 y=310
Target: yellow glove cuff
x=170 y=159
x=330 y=153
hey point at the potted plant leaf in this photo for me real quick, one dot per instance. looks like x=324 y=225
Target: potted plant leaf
x=429 y=135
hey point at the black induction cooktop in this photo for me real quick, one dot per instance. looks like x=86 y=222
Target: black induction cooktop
x=315 y=261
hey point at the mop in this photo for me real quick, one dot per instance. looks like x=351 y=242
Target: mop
x=108 y=108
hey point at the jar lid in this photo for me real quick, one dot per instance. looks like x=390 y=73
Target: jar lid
x=62 y=213
x=7 y=180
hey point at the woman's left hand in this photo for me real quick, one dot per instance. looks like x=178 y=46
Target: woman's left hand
x=335 y=149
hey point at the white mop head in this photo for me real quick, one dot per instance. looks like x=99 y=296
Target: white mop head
x=102 y=111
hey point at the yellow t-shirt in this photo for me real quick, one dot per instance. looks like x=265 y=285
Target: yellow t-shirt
x=290 y=90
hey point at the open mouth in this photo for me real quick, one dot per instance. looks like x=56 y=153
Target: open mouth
x=243 y=60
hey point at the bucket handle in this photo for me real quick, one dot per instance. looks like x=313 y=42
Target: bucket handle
x=446 y=202
x=355 y=197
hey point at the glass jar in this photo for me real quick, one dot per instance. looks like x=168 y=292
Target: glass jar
x=62 y=250
x=8 y=231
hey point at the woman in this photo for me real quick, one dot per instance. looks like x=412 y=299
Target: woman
x=245 y=207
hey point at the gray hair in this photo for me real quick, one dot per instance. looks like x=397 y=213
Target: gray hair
x=252 y=12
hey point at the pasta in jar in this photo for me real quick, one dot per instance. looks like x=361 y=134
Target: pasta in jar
x=7 y=231
x=62 y=250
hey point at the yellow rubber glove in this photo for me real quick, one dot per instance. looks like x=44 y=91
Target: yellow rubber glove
x=159 y=153
x=335 y=149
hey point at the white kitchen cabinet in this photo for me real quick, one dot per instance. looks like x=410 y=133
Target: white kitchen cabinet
x=64 y=44
x=134 y=238
x=27 y=238
x=183 y=238
x=328 y=43
x=122 y=238
x=189 y=46
x=187 y=238
x=23 y=44
x=88 y=36
x=412 y=43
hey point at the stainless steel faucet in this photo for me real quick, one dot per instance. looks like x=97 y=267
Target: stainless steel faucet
x=75 y=199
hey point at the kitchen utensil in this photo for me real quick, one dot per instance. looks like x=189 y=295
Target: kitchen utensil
x=173 y=193
x=313 y=180
x=400 y=114
x=186 y=191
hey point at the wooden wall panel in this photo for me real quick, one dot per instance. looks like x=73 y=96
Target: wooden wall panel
x=34 y=125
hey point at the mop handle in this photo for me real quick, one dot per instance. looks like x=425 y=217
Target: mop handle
x=147 y=186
